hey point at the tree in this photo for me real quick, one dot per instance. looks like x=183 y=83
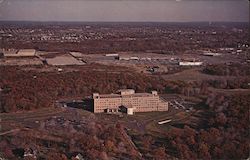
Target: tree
x=109 y=145
x=160 y=153
x=203 y=151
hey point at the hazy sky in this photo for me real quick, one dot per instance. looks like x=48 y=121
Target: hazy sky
x=125 y=10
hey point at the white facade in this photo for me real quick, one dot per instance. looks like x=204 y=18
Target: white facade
x=130 y=111
x=134 y=58
x=131 y=101
x=112 y=55
x=190 y=63
x=211 y=54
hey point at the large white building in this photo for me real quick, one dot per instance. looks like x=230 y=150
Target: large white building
x=129 y=101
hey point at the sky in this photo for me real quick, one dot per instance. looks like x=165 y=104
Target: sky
x=125 y=10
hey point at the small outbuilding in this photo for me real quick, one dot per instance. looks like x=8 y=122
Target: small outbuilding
x=130 y=110
x=127 y=109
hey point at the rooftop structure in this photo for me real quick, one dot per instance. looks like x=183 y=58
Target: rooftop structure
x=128 y=101
x=64 y=60
x=26 y=52
x=76 y=54
x=20 y=53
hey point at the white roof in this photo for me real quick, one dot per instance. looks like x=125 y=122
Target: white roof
x=76 y=54
x=21 y=52
x=26 y=52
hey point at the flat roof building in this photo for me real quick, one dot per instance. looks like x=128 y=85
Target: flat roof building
x=190 y=63
x=19 y=53
x=26 y=52
x=112 y=55
x=128 y=101
x=63 y=60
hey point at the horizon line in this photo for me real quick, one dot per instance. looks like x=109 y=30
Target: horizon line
x=123 y=21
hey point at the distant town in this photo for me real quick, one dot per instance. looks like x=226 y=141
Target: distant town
x=124 y=90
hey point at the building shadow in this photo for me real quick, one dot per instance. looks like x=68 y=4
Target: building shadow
x=85 y=104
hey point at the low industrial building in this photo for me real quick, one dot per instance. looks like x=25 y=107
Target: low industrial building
x=26 y=52
x=211 y=54
x=127 y=57
x=128 y=101
x=64 y=60
x=112 y=55
x=76 y=54
x=19 y=53
x=124 y=57
x=185 y=63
